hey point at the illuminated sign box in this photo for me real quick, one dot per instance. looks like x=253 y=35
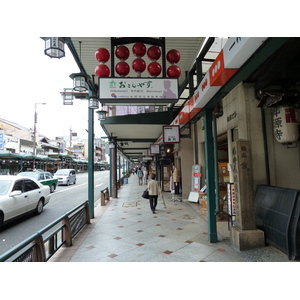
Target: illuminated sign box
x=126 y=90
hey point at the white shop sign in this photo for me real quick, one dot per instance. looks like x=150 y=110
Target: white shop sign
x=138 y=90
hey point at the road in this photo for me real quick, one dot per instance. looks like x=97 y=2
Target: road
x=62 y=200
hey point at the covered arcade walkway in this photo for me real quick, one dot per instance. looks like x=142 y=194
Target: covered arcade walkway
x=125 y=230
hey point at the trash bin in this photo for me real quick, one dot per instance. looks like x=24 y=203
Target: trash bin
x=125 y=180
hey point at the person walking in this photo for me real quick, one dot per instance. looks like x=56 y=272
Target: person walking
x=140 y=176
x=145 y=178
x=154 y=190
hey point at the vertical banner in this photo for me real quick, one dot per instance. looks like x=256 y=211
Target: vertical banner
x=231 y=202
x=196 y=178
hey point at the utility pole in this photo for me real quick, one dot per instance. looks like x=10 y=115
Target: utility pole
x=34 y=131
x=70 y=138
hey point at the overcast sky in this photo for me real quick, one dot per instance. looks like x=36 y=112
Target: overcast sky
x=32 y=77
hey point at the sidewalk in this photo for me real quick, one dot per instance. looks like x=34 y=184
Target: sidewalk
x=126 y=230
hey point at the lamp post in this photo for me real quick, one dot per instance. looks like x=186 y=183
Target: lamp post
x=34 y=131
x=54 y=47
x=101 y=114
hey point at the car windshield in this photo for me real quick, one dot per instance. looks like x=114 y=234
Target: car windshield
x=62 y=173
x=4 y=186
x=34 y=175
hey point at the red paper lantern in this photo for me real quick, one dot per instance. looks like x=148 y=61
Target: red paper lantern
x=122 y=68
x=173 y=56
x=122 y=52
x=102 y=55
x=174 y=71
x=139 y=65
x=139 y=49
x=153 y=53
x=154 y=68
x=102 y=70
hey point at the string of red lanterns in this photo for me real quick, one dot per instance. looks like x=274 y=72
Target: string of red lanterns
x=102 y=55
x=138 y=65
x=122 y=67
x=173 y=57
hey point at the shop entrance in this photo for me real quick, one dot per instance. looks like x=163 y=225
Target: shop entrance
x=223 y=175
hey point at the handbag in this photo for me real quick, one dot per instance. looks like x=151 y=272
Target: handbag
x=145 y=194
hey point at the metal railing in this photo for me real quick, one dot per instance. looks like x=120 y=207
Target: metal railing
x=43 y=244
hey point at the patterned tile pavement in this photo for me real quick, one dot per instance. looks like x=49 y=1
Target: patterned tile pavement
x=126 y=230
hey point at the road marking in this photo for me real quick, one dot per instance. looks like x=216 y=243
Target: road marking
x=72 y=187
x=68 y=188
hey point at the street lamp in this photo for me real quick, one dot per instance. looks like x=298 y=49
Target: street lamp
x=34 y=129
x=79 y=81
x=101 y=114
x=54 y=47
x=93 y=102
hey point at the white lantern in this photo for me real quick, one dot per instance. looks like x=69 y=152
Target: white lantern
x=93 y=102
x=101 y=115
x=285 y=124
x=55 y=47
x=79 y=82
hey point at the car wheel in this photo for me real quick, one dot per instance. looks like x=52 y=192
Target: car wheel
x=52 y=188
x=75 y=181
x=39 y=207
x=68 y=182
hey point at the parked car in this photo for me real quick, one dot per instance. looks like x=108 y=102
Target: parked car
x=20 y=195
x=66 y=176
x=43 y=177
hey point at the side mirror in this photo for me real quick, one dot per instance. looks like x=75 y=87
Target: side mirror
x=15 y=193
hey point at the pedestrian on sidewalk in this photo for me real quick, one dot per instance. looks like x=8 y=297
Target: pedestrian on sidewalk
x=145 y=178
x=154 y=190
x=140 y=176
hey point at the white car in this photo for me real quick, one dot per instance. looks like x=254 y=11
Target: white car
x=20 y=195
x=66 y=176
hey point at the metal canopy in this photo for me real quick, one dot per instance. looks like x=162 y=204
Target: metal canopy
x=188 y=47
x=135 y=133
x=134 y=137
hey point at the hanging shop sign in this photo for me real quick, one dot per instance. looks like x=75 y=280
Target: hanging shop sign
x=126 y=90
x=285 y=124
x=154 y=149
x=171 y=134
